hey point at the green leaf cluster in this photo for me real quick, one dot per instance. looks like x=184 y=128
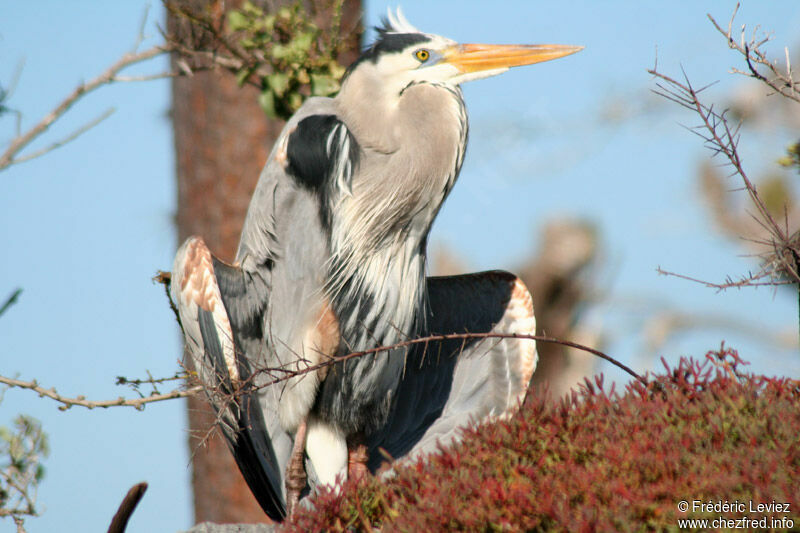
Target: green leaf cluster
x=300 y=59
x=792 y=157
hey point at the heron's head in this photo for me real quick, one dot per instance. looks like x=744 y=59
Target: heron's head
x=403 y=55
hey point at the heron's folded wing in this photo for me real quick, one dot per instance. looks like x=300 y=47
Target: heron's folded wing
x=216 y=307
x=448 y=384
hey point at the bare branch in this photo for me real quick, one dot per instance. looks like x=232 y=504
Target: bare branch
x=10 y=155
x=81 y=401
x=782 y=82
x=722 y=138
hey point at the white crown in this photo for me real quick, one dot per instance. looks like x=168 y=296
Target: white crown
x=399 y=23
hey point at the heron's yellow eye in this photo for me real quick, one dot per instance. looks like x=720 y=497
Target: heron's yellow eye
x=422 y=55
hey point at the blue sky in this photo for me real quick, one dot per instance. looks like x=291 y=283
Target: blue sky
x=85 y=228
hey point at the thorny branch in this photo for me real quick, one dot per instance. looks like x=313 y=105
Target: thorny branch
x=285 y=373
x=779 y=263
x=452 y=336
x=780 y=80
x=718 y=134
x=750 y=280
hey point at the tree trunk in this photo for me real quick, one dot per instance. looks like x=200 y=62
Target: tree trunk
x=222 y=140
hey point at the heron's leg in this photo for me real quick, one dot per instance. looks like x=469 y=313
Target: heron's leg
x=357 y=457
x=295 y=470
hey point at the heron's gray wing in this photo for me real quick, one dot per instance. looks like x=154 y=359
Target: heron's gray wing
x=216 y=305
x=301 y=158
x=448 y=384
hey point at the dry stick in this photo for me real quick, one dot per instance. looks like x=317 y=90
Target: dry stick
x=81 y=401
x=108 y=76
x=126 y=508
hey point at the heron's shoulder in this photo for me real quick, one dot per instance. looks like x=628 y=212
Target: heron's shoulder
x=316 y=105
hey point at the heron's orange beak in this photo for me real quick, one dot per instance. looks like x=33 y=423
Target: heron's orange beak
x=482 y=57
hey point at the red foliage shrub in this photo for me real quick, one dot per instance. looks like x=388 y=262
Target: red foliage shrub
x=599 y=460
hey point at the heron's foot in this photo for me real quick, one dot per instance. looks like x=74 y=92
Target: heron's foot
x=296 y=470
x=357 y=461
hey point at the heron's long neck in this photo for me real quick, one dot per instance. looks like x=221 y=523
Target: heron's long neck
x=411 y=159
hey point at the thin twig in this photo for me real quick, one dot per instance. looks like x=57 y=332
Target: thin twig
x=456 y=336
x=71 y=137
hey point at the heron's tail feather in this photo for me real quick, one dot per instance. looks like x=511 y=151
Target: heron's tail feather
x=215 y=337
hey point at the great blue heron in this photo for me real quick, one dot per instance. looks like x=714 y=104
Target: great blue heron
x=332 y=261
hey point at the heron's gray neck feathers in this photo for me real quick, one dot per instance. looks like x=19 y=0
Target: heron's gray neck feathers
x=379 y=230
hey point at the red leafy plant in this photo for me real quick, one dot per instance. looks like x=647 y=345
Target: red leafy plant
x=598 y=460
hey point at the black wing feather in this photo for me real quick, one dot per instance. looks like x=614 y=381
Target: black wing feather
x=315 y=147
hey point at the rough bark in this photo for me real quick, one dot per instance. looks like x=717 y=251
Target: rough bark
x=222 y=139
